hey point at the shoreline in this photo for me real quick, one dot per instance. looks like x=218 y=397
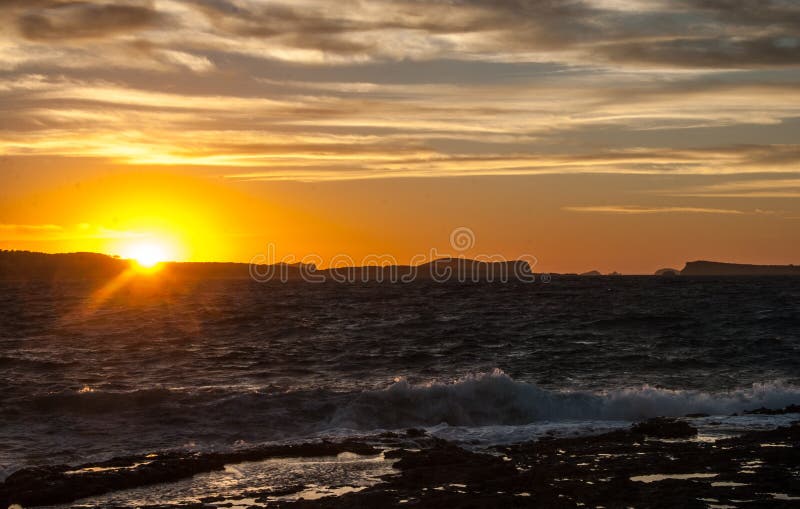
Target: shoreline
x=656 y=463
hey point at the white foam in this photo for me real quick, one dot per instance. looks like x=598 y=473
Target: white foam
x=496 y=399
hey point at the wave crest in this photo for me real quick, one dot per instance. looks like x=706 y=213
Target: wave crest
x=496 y=399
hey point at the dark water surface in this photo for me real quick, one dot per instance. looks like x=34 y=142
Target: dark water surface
x=88 y=373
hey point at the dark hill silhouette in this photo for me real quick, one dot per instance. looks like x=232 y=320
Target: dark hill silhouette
x=464 y=269
x=229 y=270
x=31 y=265
x=26 y=265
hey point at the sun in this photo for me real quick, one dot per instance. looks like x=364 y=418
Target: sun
x=147 y=255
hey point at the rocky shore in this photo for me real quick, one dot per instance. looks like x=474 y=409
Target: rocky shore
x=656 y=463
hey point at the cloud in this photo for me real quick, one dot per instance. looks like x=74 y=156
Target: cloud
x=192 y=62
x=708 y=52
x=58 y=21
x=681 y=34
x=320 y=90
x=691 y=33
x=759 y=188
x=636 y=209
x=59 y=232
x=780 y=13
x=30 y=228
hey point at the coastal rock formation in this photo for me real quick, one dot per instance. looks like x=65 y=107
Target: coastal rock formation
x=61 y=484
x=662 y=427
x=791 y=409
x=622 y=468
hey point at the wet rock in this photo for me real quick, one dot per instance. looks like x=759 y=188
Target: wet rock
x=791 y=409
x=395 y=453
x=664 y=427
x=448 y=463
x=616 y=469
x=585 y=471
x=61 y=484
x=215 y=498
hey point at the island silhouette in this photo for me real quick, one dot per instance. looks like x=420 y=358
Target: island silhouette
x=84 y=265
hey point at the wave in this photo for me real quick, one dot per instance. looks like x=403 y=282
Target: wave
x=478 y=400
x=98 y=402
x=486 y=408
x=10 y=362
x=496 y=399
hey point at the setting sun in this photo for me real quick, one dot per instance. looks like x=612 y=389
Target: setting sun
x=147 y=254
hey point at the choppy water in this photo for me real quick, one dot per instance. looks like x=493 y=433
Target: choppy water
x=86 y=374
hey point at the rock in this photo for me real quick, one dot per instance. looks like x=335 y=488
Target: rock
x=664 y=427
x=62 y=484
x=791 y=409
x=598 y=470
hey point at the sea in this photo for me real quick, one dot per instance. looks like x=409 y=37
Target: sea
x=89 y=372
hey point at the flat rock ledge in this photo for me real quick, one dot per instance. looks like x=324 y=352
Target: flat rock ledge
x=656 y=463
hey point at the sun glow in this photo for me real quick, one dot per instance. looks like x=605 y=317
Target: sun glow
x=147 y=255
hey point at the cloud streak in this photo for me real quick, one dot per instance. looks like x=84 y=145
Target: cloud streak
x=774 y=188
x=57 y=21
x=30 y=228
x=12 y=232
x=637 y=210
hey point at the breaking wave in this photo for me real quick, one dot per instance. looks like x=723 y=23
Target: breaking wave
x=477 y=400
x=496 y=399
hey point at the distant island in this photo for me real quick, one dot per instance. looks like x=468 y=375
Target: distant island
x=27 y=265
x=707 y=268
x=668 y=272
x=32 y=265
x=22 y=265
x=595 y=273
x=18 y=265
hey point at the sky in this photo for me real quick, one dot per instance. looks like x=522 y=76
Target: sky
x=624 y=135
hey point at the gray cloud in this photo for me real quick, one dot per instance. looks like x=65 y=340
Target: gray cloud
x=692 y=33
x=682 y=34
x=772 y=13
x=710 y=52
x=59 y=20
